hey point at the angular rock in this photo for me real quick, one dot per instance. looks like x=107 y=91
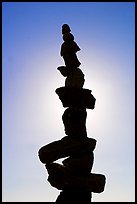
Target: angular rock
x=76 y=97
x=65 y=147
x=74 y=120
x=60 y=178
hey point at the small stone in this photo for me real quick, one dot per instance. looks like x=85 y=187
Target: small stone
x=74 y=196
x=65 y=28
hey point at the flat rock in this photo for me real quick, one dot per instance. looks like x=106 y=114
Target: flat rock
x=76 y=97
x=65 y=147
x=60 y=178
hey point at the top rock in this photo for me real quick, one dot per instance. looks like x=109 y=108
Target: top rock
x=65 y=29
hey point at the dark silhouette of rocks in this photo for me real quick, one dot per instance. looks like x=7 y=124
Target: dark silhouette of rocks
x=69 y=48
x=65 y=29
x=76 y=97
x=75 y=77
x=74 y=195
x=80 y=164
x=73 y=177
x=65 y=71
x=74 y=120
x=61 y=178
x=67 y=146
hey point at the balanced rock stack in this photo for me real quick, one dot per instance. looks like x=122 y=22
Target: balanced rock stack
x=73 y=177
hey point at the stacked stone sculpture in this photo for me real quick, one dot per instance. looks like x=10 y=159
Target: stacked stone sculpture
x=73 y=177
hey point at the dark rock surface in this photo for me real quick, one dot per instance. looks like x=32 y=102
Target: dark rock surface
x=69 y=48
x=65 y=71
x=75 y=79
x=80 y=164
x=70 y=60
x=65 y=28
x=61 y=178
x=65 y=147
x=74 y=120
x=74 y=196
x=67 y=37
x=76 y=97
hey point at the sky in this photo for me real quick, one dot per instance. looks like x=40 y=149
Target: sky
x=31 y=110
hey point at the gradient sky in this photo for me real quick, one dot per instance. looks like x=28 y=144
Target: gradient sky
x=32 y=111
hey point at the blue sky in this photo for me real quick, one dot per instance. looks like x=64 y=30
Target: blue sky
x=31 y=110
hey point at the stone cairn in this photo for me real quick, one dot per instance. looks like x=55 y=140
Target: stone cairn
x=73 y=177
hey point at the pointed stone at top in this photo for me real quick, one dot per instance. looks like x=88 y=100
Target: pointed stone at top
x=65 y=29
